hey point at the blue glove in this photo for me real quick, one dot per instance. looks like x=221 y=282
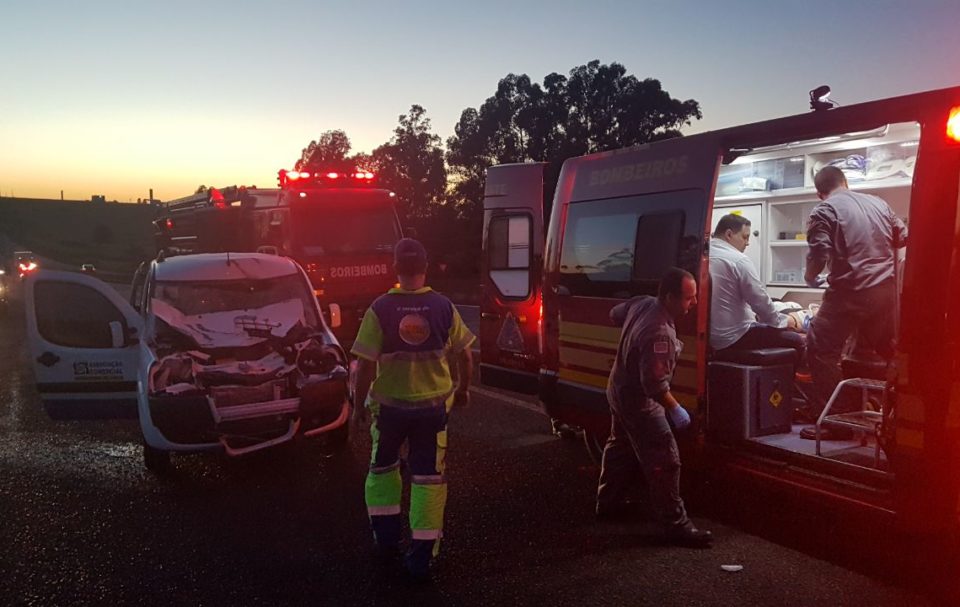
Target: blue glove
x=816 y=282
x=679 y=417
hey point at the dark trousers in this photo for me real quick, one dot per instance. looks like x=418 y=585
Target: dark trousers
x=764 y=336
x=869 y=313
x=425 y=432
x=642 y=443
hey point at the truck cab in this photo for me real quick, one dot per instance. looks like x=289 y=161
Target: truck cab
x=215 y=352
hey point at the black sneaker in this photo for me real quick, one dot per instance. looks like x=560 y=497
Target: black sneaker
x=689 y=536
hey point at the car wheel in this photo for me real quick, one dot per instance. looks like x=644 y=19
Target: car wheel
x=156 y=460
x=594 y=444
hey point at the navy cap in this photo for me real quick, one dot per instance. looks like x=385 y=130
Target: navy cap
x=410 y=257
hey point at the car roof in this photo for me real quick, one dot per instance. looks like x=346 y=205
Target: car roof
x=223 y=266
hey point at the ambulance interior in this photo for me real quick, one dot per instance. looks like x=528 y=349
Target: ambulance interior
x=753 y=400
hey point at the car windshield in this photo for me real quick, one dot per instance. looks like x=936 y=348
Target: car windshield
x=194 y=298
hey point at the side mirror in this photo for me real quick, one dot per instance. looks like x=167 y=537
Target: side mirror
x=120 y=338
x=335 y=318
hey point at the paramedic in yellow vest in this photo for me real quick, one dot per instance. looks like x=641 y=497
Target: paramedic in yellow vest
x=407 y=342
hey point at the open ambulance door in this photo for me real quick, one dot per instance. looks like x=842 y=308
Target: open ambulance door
x=628 y=216
x=510 y=304
x=83 y=345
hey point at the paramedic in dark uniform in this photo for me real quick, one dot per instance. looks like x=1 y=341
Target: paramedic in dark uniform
x=407 y=342
x=638 y=392
x=858 y=235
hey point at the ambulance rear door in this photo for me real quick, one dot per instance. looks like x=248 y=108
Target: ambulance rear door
x=632 y=214
x=510 y=304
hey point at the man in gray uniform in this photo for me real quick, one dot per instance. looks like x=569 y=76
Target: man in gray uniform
x=858 y=234
x=638 y=391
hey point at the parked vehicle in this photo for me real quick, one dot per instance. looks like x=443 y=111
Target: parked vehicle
x=621 y=218
x=224 y=351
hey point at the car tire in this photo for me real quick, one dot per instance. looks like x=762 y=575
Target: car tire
x=156 y=460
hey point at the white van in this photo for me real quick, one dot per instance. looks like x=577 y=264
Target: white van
x=220 y=351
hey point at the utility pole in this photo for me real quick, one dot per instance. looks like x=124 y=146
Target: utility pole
x=61 y=195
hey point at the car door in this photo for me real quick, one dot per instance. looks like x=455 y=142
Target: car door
x=83 y=344
x=510 y=311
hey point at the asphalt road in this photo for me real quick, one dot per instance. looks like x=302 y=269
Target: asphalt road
x=83 y=523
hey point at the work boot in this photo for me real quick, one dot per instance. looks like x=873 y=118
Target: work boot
x=416 y=570
x=687 y=535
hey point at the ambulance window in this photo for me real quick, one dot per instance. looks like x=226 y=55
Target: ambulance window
x=621 y=247
x=74 y=315
x=508 y=251
x=660 y=235
x=597 y=248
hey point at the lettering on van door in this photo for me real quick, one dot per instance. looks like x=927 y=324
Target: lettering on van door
x=95 y=370
x=639 y=171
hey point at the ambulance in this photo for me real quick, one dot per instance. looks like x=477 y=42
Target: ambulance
x=620 y=218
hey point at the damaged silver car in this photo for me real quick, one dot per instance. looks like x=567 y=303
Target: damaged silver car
x=220 y=351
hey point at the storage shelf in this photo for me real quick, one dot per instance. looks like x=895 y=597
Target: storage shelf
x=788 y=243
x=856 y=186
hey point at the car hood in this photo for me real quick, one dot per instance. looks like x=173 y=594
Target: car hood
x=233 y=328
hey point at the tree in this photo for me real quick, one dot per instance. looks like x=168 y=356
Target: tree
x=411 y=165
x=597 y=107
x=328 y=153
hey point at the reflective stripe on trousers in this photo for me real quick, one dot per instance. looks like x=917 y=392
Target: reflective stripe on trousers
x=424 y=429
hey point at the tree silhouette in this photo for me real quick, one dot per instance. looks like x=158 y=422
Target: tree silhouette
x=594 y=107
x=597 y=107
x=411 y=165
x=327 y=153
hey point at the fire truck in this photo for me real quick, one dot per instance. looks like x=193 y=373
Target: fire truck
x=339 y=226
x=619 y=219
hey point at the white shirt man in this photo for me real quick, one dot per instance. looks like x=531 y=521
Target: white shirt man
x=741 y=313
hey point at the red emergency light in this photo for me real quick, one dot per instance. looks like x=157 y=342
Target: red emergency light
x=216 y=197
x=953 y=124
x=359 y=176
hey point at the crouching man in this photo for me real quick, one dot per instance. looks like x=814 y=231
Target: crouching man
x=638 y=392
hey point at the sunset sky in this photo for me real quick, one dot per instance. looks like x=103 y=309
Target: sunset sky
x=117 y=97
